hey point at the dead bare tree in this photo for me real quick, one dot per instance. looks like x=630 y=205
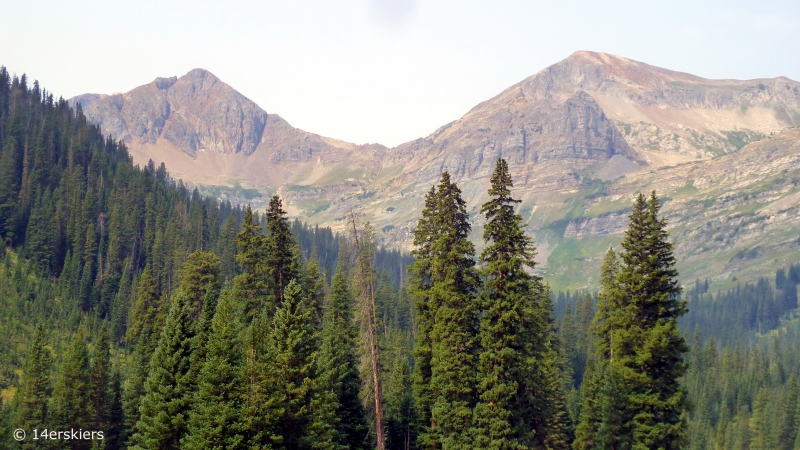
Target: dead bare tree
x=366 y=301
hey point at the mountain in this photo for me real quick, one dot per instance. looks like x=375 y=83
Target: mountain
x=208 y=133
x=581 y=137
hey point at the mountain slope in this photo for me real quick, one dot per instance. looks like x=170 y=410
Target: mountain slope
x=581 y=137
x=208 y=133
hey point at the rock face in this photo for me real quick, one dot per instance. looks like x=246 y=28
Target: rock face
x=581 y=137
x=196 y=112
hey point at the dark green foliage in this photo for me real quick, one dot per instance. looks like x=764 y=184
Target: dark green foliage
x=100 y=388
x=315 y=286
x=201 y=278
x=421 y=282
x=34 y=392
x=304 y=407
x=446 y=286
x=72 y=394
x=338 y=363
x=167 y=398
x=252 y=286
x=215 y=410
x=455 y=320
x=639 y=346
x=513 y=330
x=280 y=259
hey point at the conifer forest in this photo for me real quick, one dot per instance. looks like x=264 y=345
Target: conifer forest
x=133 y=306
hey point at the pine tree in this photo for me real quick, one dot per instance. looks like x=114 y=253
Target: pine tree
x=34 y=392
x=639 y=346
x=114 y=433
x=251 y=286
x=9 y=188
x=215 y=410
x=164 y=407
x=281 y=261
x=788 y=429
x=513 y=328
x=201 y=278
x=315 y=285
x=72 y=402
x=450 y=306
x=147 y=314
x=100 y=385
x=338 y=360
x=306 y=419
x=421 y=282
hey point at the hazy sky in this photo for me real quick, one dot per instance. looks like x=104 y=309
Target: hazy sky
x=383 y=71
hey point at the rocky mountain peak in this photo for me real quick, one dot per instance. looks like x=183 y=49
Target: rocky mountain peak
x=196 y=112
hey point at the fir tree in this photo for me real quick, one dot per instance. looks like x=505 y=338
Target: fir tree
x=251 y=286
x=215 y=410
x=513 y=328
x=421 y=282
x=164 y=407
x=639 y=345
x=788 y=429
x=201 y=278
x=306 y=418
x=100 y=385
x=338 y=361
x=452 y=306
x=280 y=260
x=34 y=392
x=72 y=402
x=315 y=285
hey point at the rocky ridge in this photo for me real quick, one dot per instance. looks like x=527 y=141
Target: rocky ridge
x=581 y=137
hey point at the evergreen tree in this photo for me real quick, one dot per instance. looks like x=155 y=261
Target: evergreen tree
x=72 y=395
x=114 y=433
x=251 y=286
x=164 y=407
x=513 y=329
x=788 y=429
x=201 y=278
x=215 y=411
x=639 y=345
x=101 y=392
x=34 y=392
x=421 y=282
x=338 y=361
x=147 y=314
x=315 y=286
x=9 y=187
x=447 y=302
x=306 y=407
x=280 y=260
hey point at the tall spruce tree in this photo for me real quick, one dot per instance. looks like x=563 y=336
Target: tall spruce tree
x=102 y=396
x=420 y=285
x=34 y=392
x=164 y=407
x=339 y=360
x=513 y=329
x=639 y=346
x=213 y=419
x=448 y=302
x=281 y=260
x=306 y=415
x=201 y=279
x=72 y=402
x=251 y=287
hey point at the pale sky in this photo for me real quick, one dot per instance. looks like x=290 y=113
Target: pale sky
x=385 y=71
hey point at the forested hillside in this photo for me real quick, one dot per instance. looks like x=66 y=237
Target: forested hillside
x=136 y=307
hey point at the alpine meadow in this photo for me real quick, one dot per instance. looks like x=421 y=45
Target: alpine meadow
x=619 y=296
